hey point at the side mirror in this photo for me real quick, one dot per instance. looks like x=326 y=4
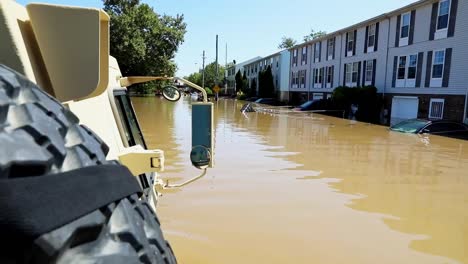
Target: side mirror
x=200 y=157
x=202 y=135
x=171 y=93
x=426 y=130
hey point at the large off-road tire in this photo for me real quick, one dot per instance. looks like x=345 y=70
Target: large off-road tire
x=40 y=137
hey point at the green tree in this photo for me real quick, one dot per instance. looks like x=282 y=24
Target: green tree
x=287 y=43
x=313 y=35
x=239 y=82
x=253 y=88
x=266 y=87
x=143 y=42
x=245 y=84
x=195 y=77
x=210 y=76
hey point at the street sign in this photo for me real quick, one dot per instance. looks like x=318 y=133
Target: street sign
x=216 y=89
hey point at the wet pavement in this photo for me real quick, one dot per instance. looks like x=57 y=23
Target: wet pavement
x=309 y=189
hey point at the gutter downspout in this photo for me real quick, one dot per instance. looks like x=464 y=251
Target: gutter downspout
x=465 y=118
x=341 y=56
x=309 y=70
x=386 y=59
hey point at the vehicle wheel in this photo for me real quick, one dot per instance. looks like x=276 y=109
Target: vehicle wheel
x=40 y=137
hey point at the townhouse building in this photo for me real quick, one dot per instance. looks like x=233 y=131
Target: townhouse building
x=414 y=56
x=232 y=70
x=279 y=64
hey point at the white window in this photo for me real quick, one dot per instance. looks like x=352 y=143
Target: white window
x=438 y=64
x=371 y=38
x=349 y=73
x=329 y=77
x=295 y=79
x=437 y=70
x=350 y=44
x=436 y=108
x=329 y=74
x=304 y=55
x=295 y=57
x=352 y=74
x=443 y=15
x=405 y=25
x=369 y=72
x=302 y=77
x=331 y=48
x=317 y=52
x=412 y=64
x=406 y=72
x=318 y=78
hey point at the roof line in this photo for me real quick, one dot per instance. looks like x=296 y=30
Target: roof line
x=387 y=15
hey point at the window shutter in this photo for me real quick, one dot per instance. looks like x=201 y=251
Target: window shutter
x=397 y=36
x=344 y=75
x=376 y=42
x=332 y=75
x=364 y=64
x=395 y=64
x=365 y=40
x=320 y=51
x=359 y=74
x=334 y=46
x=374 y=71
x=412 y=23
x=346 y=46
x=453 y=18
x=305 y=78
x=428 y=69
x=432 y=30
x=326 y=55
x=354 y=42
x=324 y=73
x=447 y=64
x=419 y=69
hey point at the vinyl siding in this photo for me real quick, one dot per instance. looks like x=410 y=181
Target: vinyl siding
x=458 y=81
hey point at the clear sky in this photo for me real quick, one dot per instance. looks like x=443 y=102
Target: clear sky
x=252 y=28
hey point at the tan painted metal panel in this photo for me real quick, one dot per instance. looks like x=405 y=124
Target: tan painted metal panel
x=74 y=43
x=18 y=49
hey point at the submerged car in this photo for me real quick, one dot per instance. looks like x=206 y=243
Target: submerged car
x=309 y=105
x=435 y=127
x=268 y=101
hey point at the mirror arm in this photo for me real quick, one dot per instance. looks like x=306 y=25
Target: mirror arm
x=171 y=186
x=191 y=84
x=130 y=80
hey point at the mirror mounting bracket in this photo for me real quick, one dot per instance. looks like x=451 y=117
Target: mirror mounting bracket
x=166 y=185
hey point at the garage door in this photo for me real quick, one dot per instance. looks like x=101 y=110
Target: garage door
x=404 y=107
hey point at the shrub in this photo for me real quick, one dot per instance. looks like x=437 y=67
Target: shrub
x=209 y=91
x=241 y=97
x=366 y=98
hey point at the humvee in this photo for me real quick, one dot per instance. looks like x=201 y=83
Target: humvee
x=77 y=182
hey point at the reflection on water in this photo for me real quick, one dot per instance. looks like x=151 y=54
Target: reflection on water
x=310 y=189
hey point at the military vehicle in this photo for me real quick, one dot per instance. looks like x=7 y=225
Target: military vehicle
x=77 y=183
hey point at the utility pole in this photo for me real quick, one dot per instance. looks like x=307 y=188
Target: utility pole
x=226 y=73
x=203 y=71
x=217 y=68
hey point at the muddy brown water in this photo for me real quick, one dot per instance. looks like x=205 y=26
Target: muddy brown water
x=308 y=188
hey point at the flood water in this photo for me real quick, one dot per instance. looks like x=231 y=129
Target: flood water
x=309 y=189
